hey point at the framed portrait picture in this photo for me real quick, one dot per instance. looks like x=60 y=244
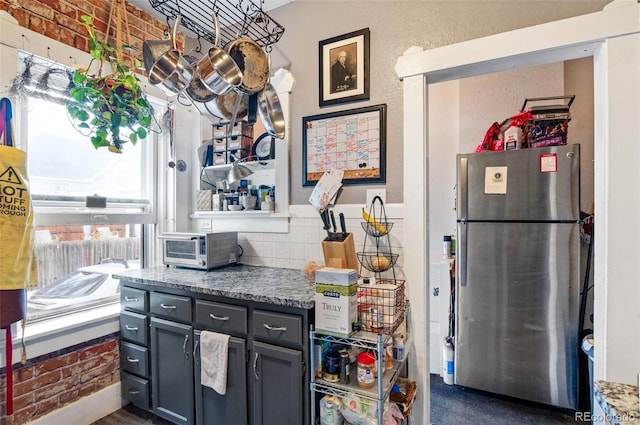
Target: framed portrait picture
x=353 y=141
x=344 y=68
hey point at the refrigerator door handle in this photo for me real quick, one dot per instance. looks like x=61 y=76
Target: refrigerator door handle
x=462 y=186
x=462 y=253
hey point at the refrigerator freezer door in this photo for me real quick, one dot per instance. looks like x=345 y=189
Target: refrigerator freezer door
x=538 y=184
x=517 y=310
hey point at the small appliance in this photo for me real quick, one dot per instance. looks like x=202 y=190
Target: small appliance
x=202 y=251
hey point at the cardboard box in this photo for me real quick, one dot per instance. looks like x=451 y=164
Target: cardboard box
x=335 y=276
x=336 y=309
x=203 y=200
x=336 y=305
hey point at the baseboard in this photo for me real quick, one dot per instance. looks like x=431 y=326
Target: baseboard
x=87 y=409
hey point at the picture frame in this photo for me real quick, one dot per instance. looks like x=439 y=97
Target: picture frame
x=344 y=80
x=353 y=141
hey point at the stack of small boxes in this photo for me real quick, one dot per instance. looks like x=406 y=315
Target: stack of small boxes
x=336 y=302
x=235 y=145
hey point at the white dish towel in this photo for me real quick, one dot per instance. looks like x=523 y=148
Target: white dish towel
x=214 y=356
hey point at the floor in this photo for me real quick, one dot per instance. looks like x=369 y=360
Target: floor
x=450 y=405
x=454 y=405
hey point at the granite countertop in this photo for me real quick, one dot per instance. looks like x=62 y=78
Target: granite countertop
x=270 y=285
x=618 y=401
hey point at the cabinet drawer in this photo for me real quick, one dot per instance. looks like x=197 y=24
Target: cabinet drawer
x=134 y=327
x=134 y=299
x=171 y=306
x=134 y=359
x=221 y=317
x=279 y=328
x=136 y=390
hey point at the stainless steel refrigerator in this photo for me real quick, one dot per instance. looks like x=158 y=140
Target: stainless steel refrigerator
x=518 y=273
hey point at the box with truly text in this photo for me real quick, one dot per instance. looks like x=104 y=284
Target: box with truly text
x=336 y=303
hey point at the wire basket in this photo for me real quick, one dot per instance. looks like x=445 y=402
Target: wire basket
x=377 y=262
x=381 y=306
x=377 y=228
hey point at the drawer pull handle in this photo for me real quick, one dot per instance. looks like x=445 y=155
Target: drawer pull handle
x=131 y=328
x=131 y=299
x=195 y=351
x=214 y=317
x=134 y=392
x=168 y=306
x=275 y=328
x=130 y=360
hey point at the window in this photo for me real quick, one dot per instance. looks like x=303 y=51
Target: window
x=79 y=248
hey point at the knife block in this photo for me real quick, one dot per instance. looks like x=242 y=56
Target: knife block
x=340 y=254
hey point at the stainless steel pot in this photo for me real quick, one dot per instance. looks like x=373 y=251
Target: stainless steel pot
x=253 y=63
x=270 y=111
x=214 y=74
x=171 y=72
x=223 y=106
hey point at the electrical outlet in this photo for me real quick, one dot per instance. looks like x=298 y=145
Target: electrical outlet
x=372 y=193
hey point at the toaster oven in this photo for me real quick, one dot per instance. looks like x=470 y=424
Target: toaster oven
x=202 y=251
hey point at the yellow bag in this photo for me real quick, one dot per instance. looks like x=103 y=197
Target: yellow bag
x=16 y=221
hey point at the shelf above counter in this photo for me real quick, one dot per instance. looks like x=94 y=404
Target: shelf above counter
x=267 y=164
x=242 y=221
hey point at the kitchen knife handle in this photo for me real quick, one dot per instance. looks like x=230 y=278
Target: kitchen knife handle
x=343 y=226
x=333 y=221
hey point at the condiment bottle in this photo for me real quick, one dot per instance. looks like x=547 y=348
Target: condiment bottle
x=366 y=370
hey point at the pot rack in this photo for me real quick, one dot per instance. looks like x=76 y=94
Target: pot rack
x=238 y=18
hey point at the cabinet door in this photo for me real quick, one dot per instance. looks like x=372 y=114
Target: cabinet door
x=231 y=408
x=277 y=377
x=172 y=371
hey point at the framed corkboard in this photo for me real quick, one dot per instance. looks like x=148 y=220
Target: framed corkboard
x=353 y=141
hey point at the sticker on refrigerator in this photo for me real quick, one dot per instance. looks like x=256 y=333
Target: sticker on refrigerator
x=495 y=180
x=549 y=163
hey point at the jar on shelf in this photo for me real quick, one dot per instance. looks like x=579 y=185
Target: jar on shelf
x=331 y=371
x=366 y=370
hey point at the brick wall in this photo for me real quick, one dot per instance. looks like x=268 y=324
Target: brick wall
x=48 y=383
x=60 y=20
x=51 y=381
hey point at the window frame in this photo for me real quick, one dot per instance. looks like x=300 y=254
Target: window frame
x=48 y=335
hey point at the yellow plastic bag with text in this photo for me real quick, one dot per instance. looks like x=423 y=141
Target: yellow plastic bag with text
x=17 y=263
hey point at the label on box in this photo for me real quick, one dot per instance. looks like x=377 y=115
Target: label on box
x=336 y=308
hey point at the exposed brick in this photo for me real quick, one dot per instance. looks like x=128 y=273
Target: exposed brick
x=99 y=349
x=56 y=363
x=22 y=374
x=68 y=396
x=45 y=406
x=47 y=391
x=38 y=8
x=23 y=401
x=86 y=390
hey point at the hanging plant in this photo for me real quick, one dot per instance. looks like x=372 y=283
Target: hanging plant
x=111 y=109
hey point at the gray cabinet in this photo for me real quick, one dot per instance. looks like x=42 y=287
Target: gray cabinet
x=230 y=408
x=277 y=378
x=172 y=370
x=161 y=354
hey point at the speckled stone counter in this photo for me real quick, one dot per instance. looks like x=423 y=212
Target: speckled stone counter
x=270 y=285
x=618 y=401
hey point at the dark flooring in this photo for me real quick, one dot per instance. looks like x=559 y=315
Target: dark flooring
x=455 y=405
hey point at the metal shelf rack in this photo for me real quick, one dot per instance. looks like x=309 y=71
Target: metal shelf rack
x=238 y=18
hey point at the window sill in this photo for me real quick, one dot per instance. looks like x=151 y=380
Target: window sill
x=57 y=333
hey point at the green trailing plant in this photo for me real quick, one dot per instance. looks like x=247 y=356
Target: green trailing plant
x=111 y=109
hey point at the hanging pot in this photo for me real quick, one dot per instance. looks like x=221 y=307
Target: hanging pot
x=253 y=63
x=223 y=106
x=214 y=74
x=171 y=72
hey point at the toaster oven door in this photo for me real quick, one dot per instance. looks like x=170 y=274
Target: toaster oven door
x=182 y=252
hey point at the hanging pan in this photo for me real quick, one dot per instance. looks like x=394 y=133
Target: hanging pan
x=214 y=74
x=253 y=63
x=171 y=72
x=270 y=109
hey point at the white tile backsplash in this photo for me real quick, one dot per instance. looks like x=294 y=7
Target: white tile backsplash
x=302 y=243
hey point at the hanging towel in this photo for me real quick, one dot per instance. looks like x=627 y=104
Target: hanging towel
x=214 y=355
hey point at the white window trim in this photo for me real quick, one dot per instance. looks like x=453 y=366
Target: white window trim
x=65 y=331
